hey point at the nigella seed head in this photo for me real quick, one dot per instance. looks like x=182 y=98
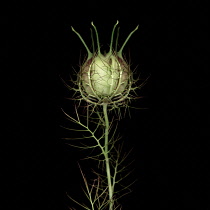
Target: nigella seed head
x=105 y=78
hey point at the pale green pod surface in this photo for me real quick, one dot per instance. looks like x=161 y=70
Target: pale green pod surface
x=104 y=76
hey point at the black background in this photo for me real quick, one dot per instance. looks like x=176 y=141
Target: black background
x=170 y=138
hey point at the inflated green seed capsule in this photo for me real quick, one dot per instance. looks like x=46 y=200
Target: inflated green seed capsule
x=105 y=77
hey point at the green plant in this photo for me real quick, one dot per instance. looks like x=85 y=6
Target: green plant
x=104 y=83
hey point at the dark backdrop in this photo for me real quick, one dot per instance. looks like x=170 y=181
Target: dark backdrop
x=169 y=139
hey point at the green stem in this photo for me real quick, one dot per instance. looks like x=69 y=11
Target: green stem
x=106 y=154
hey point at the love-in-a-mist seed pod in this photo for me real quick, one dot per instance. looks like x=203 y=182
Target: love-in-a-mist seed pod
x=105 y=78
